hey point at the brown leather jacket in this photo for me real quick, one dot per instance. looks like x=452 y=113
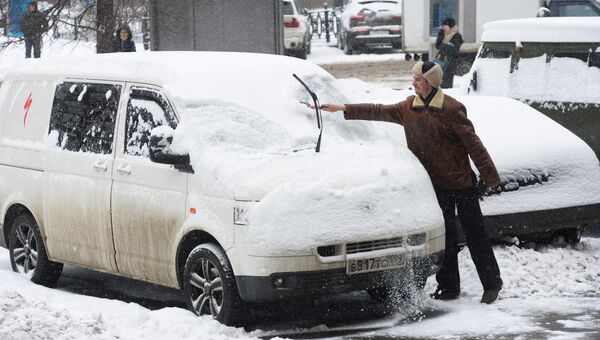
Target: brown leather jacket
x=441 y=136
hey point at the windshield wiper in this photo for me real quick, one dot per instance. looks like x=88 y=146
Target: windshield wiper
x=317 y=109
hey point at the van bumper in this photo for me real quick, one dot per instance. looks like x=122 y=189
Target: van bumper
x=298 y=285
x=2 y=240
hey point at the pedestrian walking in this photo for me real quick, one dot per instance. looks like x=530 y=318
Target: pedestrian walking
x=123 y=40
x=33 y=25
x=439 y=133
x=448 y=44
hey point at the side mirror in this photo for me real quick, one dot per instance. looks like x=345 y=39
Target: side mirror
x=159 y=149
x=543 y=12
x=304 y=11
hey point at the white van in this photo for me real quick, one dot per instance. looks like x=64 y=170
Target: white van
x=198 y=171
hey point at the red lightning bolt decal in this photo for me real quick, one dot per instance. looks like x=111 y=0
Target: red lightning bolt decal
x=26 y=107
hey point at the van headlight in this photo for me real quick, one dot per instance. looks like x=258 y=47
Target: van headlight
x=240 y=211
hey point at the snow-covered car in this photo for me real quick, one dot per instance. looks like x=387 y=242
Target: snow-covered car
x=552 y=64
x=296 y=33
x=370 y=24
x=550 y=178
x=189 y=177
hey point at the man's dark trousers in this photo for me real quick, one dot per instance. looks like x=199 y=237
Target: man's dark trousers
x=36 y=44
x=469 y=212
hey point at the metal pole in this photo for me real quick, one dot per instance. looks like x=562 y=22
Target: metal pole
x=327 y=37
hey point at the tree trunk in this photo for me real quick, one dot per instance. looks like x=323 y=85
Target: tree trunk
x=105 y=21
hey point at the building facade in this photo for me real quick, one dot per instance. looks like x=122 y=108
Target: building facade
x=217 y=25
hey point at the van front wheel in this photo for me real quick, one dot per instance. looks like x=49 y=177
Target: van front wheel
x=28 y=254
x=209 y=285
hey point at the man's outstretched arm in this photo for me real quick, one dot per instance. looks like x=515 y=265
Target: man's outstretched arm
x=378 y=112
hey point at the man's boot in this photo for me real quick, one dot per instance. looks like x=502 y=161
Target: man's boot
x=490 y=295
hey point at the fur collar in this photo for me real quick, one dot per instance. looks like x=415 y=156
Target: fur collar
x=437 y=101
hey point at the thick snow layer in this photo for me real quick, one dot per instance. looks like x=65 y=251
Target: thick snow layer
x=570 y=29
x=563 y=283
x=520 y=140
x=560 y=80
x=14 y=53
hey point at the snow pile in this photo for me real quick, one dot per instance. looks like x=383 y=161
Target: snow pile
x=547 y=271
x=29 y=311
x=570 y=29
x=562 y=79
x=521 y=141
x=14 y=54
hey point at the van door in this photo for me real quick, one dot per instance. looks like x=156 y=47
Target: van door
x=78 y=168
x=149 y=199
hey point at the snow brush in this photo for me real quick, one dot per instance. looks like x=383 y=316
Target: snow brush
x=317 y=109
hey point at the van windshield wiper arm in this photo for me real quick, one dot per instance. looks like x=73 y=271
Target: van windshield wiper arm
x=317 y=109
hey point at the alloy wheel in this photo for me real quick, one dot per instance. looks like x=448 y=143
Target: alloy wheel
x=206 y=288
x=25 y=250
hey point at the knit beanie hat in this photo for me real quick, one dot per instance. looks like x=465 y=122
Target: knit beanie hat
x=432 y=72
x=449 y=21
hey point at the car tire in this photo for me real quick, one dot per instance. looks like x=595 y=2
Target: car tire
x=408 y=57
x=348 y=48
x=417 y=57
x=302 y=53
x=209 y=285
x=28 y=254
x=308 y=47
x=463 y=67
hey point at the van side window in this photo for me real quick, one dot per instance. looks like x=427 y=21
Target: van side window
x=83 y=116
x=146 y=110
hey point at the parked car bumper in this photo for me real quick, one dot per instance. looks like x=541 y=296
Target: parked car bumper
x=293 y=43
x=541 y=221
x=297 y=285
x=391 y=40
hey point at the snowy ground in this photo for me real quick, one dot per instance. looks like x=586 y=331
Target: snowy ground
x=549 y=292
x=323 y=52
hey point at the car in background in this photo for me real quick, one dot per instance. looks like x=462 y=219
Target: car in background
x=296 y=32
x=552 y=64
x=570 y=8
x=370 y=24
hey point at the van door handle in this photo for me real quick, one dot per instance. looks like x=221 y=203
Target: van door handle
x=124 y=169
x=100 y=166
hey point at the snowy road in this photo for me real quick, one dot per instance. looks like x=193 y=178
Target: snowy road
x=549 y=293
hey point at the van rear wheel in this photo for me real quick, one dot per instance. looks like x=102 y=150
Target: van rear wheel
x=28 y=254
x=209 y=285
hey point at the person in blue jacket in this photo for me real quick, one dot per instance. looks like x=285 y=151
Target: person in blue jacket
x=123 y=41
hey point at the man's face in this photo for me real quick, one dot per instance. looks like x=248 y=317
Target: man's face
x=124 y=35
x=32 y=8
x=422 y=87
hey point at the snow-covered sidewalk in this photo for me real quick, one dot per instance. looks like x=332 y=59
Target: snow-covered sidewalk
x=549 y=292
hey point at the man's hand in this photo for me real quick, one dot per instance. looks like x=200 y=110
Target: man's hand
x=480 y=189
x=331 y=107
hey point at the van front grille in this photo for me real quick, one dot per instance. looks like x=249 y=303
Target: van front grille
x=366 y=246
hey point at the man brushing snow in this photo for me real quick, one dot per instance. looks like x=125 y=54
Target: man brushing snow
x=439 y=133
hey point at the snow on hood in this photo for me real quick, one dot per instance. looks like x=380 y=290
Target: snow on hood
x=572 y=29
x=263 y=150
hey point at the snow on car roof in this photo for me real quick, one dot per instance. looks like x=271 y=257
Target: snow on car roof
x=565 y=29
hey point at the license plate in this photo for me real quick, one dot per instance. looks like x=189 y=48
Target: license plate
x=375 y=264
x=380 y=32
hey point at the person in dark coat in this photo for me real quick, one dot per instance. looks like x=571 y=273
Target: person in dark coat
x=33 y=25
x=123 y=42
x=441 y=136
x=448 y=43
